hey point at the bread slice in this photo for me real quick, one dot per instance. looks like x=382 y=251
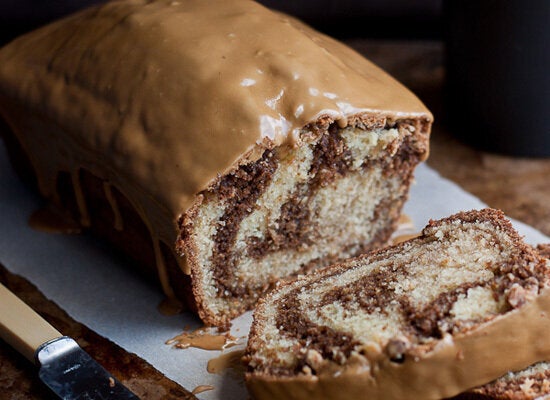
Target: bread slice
x=544 y=250
x=532 y=383
x=261 y=147
x=428 y=318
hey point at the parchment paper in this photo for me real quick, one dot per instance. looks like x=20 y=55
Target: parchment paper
x=84 y=278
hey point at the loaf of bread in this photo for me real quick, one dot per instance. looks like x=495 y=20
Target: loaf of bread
x=428 y=318
x=221 y=144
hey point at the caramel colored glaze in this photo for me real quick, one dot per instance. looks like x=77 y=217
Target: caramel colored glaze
x=202 y=339
x=52 y=220
x=403 y=238
x=405 y=230
x=170 y=306
x=405 y=220
x=80 y=198
x=202 y=388
x=159 y=98
x=451 y=367
x=231 y=359
x=162 y=270
x=118 y=221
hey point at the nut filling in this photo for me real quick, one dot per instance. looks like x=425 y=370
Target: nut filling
x=509 y=282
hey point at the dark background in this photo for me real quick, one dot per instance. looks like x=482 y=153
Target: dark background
x=497 y=55
x=411 y=19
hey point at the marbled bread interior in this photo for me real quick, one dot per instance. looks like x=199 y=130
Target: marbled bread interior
x=296 y=209
x=531 y=383
x=426 y=318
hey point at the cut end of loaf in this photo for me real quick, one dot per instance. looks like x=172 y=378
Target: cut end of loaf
x=398 y=304
x=298 y=207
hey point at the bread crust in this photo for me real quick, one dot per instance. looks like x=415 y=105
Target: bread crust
x=470 y=357
x=125 y=95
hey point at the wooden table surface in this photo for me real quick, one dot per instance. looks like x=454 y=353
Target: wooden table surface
x=518 y=186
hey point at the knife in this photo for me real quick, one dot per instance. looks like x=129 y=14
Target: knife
x=64 y=367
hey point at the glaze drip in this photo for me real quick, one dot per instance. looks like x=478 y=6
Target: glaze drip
x=118 y=221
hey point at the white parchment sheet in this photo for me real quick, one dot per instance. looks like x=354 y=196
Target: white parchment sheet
x=85 y=279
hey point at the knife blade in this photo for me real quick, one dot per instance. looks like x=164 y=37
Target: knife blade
x=64 y=366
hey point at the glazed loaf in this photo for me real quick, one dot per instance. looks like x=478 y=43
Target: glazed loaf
x=428 y=318
x=222 y=145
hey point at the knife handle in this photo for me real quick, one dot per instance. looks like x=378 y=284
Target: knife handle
x=21 y=326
